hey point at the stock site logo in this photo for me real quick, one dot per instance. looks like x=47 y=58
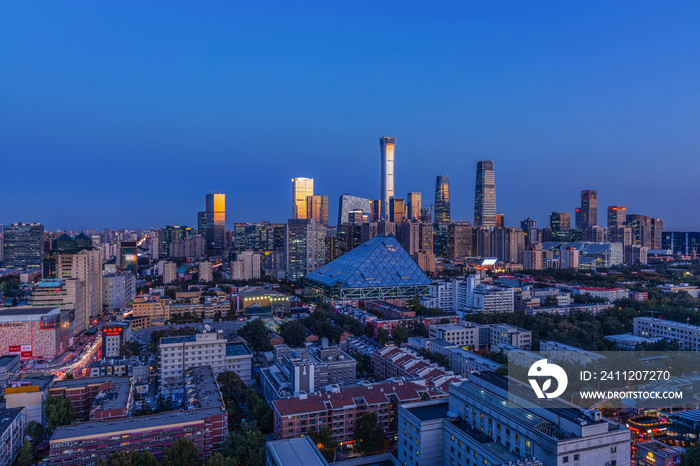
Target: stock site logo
x=544 y=370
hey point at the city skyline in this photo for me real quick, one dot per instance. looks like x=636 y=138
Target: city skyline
x=141 y=107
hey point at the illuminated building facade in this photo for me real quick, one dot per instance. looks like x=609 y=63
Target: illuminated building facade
x=114 y=338
x=485 y=195
x=397 y=210
x=302 y=188
x=317 y=208
x=587 y=214
x=442 y=199
x=34 y=332
x=215 y=220
x=386 y=148
x=413 y=207
x=23 y=245
x=305 y=247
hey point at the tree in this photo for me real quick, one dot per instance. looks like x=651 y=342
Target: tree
x=59 y=411
x=293 y=333
x=146 y=458
x=26 y=454
x=399 y=335
x=182 y=453
x=123 y=458
x=133 y=348
x=551 y=301
x=325 y=442
x=245 y=446
x=230 y=383
x=369 y=437
x=364 y=362
x=36 y=431
x=691 y=457
x=383 y=336
x=255 y=334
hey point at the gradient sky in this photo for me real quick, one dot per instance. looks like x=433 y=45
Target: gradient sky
x=124 y=114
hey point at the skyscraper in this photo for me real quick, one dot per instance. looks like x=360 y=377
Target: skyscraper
x=617 y=216
x=413 y=207
x=348 y=203
x=442 y=199
x=485 y=195
x=386 y=148
x=317 y=208
x=23 y=245
x=305 y=247
x=560 y=222
x=215 y=220
x=397 y=210
x=587 y=214
x=302 y=188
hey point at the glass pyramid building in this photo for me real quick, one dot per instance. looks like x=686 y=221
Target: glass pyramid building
x=378 y=269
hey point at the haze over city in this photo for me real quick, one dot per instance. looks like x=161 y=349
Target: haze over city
x=130 y=111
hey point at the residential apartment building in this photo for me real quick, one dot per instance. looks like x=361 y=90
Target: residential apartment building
x=85 y=266
x=177 y=354
x=339 y=410
x=117 y=290
x=483 y=422
x=203 y=420
x=687 y=336
x=403 y=362
x=299 y=371
x=13 y=426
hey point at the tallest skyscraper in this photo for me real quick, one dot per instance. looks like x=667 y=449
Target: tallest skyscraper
x=485 y=195
x=386 y=147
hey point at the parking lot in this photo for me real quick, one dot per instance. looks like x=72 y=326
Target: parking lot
x=144 y=336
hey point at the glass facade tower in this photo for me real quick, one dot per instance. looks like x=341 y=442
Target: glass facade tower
x=442 y=199
x=216 y=220
x=485 y=195
x=302 y=188
x=23 y=245
x=387 y=146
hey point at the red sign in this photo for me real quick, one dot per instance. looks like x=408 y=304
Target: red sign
x=14 y=349
x=26 y=355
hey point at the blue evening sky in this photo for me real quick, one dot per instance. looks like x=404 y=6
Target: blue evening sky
x=124 y=114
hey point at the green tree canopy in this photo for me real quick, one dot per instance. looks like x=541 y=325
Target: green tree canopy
x=182 y=453
x=326 y=443
x=59 y=411
x=293 y=333
x=255 y=334
x=369 y=437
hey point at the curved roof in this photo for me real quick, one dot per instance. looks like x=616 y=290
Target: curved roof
x=381 y=261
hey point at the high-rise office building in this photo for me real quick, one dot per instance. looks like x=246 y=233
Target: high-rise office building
x=617 y=216
x=302 y=188
x=202 y=223
x=85 y=266
x=657 y=232
x=641 y=229
x=500 y=221
x=413 y=207
x=375 y=211
x=317 y=208
x=23 y=245
x=459 y=240
x=587 y=214
x=560 y=222
x=216 y=220
x=397 y=210
x=485 y=195
x=442 y=199
x=305 y=247
x=386 y=148
x=348 y=203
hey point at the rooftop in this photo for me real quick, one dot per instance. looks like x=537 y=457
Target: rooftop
x=381 y=261
x=299 y=451
x=429 y=412
x=237 y=349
